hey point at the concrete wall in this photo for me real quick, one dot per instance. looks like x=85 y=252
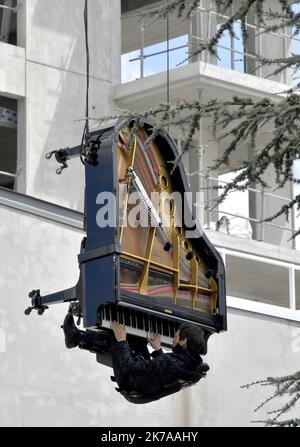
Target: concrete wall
x=52 y=34
x=44 y=384
x=254 y=347
x=41 y=382
x=12 y=71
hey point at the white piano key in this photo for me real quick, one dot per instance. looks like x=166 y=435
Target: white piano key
x=138 y=332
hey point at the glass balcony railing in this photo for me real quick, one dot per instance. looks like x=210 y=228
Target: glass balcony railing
x=234 y=216
x=154 y=59
x=151 y=47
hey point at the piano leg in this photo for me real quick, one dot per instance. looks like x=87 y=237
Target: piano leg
x=41 y=303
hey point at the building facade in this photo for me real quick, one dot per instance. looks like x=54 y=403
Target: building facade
x=42 y=104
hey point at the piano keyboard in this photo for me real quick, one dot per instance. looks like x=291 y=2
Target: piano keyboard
x=138 y=323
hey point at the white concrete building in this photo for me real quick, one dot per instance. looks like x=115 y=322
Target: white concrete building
x=42 y=100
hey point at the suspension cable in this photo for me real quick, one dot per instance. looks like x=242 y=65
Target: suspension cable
x=86 y=132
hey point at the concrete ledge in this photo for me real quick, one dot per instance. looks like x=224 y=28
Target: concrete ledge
x=41 y=208
x=12 y=71
x=214 y=81
x=256 y=248
x=263 y=309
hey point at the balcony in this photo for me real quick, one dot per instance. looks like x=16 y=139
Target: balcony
x=154 y=46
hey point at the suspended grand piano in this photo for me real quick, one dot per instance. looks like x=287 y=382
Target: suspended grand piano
x=148 y=277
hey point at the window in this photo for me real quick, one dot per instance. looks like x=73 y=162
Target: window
x=234 y=55
x=155 y=59
x=247 y=279
x=295 y=45
x=8 y=21
x=8 y=142
x=233 y=212
x=231 y=50
x=145 y=42
x=296 y=191
x=297 y=288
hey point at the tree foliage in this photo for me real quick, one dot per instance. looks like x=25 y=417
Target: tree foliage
x=285 y=387
x=241 y=119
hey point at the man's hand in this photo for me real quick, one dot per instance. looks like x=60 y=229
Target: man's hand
x=119 y=331
x=154 y=341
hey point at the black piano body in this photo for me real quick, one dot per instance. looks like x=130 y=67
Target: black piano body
x=149 y=279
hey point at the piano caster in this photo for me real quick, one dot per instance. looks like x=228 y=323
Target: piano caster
x=35 y=303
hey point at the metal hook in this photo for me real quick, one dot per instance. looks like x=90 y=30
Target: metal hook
x=49 y=155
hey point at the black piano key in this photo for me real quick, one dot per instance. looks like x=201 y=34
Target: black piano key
x=142 y=321
x=114 y=313
x=154 y=327
x=133 y=319
x=107 y=313
x=120 y=312
x=150 y=323
x=102 y=312
x=172 y=329
x=136 y=320
x=126 y=317
x=140 y=324
x=165 y=328
x=169 y=329
x=159 y=326
x=123 y=316
x=146 y=322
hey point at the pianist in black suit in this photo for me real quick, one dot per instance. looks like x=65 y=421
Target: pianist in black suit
x=149 y=376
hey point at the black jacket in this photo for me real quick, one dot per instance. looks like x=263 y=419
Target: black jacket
x=149 y=376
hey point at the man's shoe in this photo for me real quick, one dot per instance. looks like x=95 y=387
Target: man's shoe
x=73 y=335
